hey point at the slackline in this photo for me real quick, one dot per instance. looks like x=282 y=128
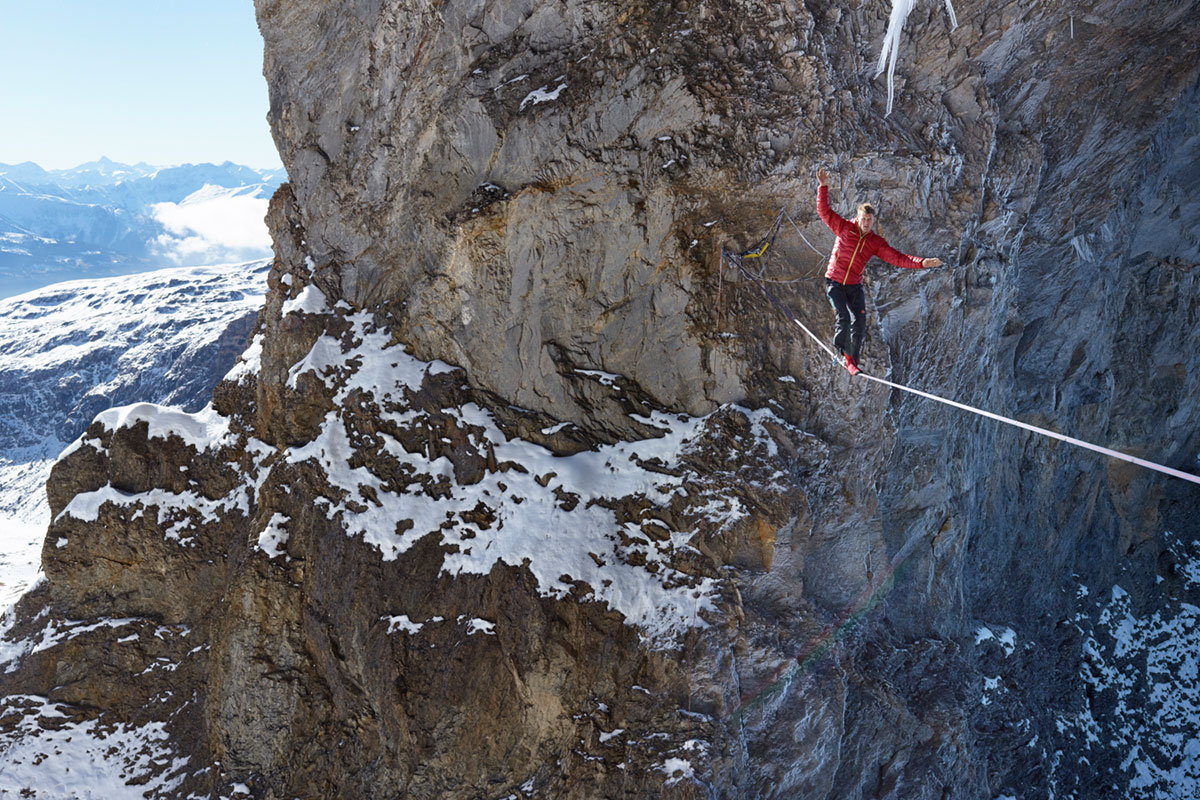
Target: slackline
x=1141 y=462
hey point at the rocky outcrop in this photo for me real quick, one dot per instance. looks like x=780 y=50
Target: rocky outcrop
x=74 y=350
x=520 y=493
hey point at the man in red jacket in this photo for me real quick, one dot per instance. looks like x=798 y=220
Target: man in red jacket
x=843 y=280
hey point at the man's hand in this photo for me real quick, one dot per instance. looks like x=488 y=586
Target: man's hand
x=823 y=176
x=928 y=263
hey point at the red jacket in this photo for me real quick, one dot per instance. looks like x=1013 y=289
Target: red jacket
x=853 y=250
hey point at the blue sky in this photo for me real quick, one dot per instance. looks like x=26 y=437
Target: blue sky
x=161 y=81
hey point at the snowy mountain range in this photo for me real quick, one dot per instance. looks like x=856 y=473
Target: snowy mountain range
x=105 y=218
x=72 y=350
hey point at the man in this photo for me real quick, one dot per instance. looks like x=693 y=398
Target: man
x=856 y=243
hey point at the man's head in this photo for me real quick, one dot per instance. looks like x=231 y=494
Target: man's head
x=866 y=217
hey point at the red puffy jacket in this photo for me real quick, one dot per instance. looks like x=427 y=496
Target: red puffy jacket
x=853 y=250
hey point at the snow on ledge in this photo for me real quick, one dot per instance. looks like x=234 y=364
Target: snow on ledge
x=478 y=625
x=174 y=508
x=605 y=378
x=201 y=430
x=383 y=376
x=677 y=770
x=403 y=623
x=568 y=548
x=78 y=444
x=274 y=537
x=543 y=95
x=311 y=300
x=250 y=361
x=1007 y=638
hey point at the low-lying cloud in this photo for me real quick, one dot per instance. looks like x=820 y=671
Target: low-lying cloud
x=213 y=226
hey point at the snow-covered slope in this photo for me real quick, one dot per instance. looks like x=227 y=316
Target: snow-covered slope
x=71 y=350
x=106 y=218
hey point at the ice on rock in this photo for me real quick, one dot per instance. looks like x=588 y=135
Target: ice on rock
x=891 y=42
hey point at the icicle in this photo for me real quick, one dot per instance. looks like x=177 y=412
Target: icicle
x=891 y=42
x=953 y=18
x=891 y=45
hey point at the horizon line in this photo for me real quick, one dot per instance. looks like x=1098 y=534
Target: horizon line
x=105 y=159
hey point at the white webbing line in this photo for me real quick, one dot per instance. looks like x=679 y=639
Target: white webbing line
x=1141 y=462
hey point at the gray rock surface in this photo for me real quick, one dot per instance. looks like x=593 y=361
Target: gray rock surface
x=888 y=603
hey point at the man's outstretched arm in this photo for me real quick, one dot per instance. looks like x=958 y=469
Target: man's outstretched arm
x=894 y=257
x=828 y=215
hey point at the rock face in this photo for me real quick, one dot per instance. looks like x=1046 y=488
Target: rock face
x=521 y=492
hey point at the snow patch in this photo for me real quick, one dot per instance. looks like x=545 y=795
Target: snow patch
x=249 y=363
x=384 y=377
x=543 y=95
x=186 y=511
x=54 y=633
x=402 y=623
x=475 y=626
x=606 y=378
x=553 y=516
x=676 y=770
x=1144 y=673
x=50 y=754
x=990 y=687
x=1006 y=638
x=273 y=539
x=311 y=300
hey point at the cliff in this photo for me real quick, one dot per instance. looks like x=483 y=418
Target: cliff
x=518 y=492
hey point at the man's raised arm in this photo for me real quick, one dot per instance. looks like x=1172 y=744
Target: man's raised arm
x=828 y=215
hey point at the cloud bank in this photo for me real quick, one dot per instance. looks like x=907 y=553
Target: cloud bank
x=213 y=225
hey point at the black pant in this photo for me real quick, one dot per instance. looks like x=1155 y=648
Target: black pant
x=850 y=303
